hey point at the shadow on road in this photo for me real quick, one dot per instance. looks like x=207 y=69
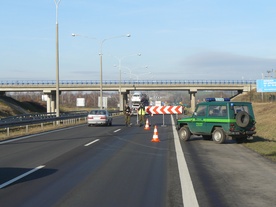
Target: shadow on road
x=9 y=173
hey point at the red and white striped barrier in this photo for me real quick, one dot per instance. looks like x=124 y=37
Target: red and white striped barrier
x=164 y=109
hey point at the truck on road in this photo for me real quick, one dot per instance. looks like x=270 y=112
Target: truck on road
x=136 y=99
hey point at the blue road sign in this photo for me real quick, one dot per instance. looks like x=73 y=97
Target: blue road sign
x=266 y=85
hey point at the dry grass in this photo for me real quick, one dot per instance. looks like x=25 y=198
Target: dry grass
x=264 y=142
x=6 y=110
x=265 y=114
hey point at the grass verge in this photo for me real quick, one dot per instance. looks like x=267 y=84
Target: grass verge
x=264 y=147
x=264 y=142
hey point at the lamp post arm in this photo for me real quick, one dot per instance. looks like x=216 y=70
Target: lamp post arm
x=101 y=65
x=101 y=61
x=57 y=4
x=119 y=36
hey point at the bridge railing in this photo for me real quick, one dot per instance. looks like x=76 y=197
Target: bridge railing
x=125 y=82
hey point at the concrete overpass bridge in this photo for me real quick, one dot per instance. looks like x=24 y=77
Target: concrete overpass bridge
x=125 y=86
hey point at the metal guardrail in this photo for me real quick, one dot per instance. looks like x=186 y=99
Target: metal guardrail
x=123 y=82
x=29 y=119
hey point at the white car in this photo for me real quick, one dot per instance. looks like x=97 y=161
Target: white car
x=99 y=117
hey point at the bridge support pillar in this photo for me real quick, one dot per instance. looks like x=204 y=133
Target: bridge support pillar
x=48 y=100
x=123 y=100
x=51 y=102
x=193 y=99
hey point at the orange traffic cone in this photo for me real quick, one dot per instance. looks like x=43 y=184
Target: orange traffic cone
x=155 y=135
x=147 y=127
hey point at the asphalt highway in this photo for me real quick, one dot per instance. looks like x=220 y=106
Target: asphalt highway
x=120 y=166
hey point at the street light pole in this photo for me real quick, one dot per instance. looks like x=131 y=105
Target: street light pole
x=57 y=60
x=101 y=66
x=101 y=62
x=120 y=77
x=137 y=75
x=101 y=77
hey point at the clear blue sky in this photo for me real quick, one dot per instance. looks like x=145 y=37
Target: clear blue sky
x=178 y=39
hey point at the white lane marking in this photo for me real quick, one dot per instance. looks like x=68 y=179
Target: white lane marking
x=96 y=140
x=117 y=130
x=21 y=176
x=188 y=191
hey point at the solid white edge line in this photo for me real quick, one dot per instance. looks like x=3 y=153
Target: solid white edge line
x=96 y=140
x=33 y=135
x=21 y=176
x=188 y=191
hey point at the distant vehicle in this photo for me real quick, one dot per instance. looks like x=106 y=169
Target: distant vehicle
x=99 y=117
x=134 y=108
x=219 y=119
x=136 y=97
